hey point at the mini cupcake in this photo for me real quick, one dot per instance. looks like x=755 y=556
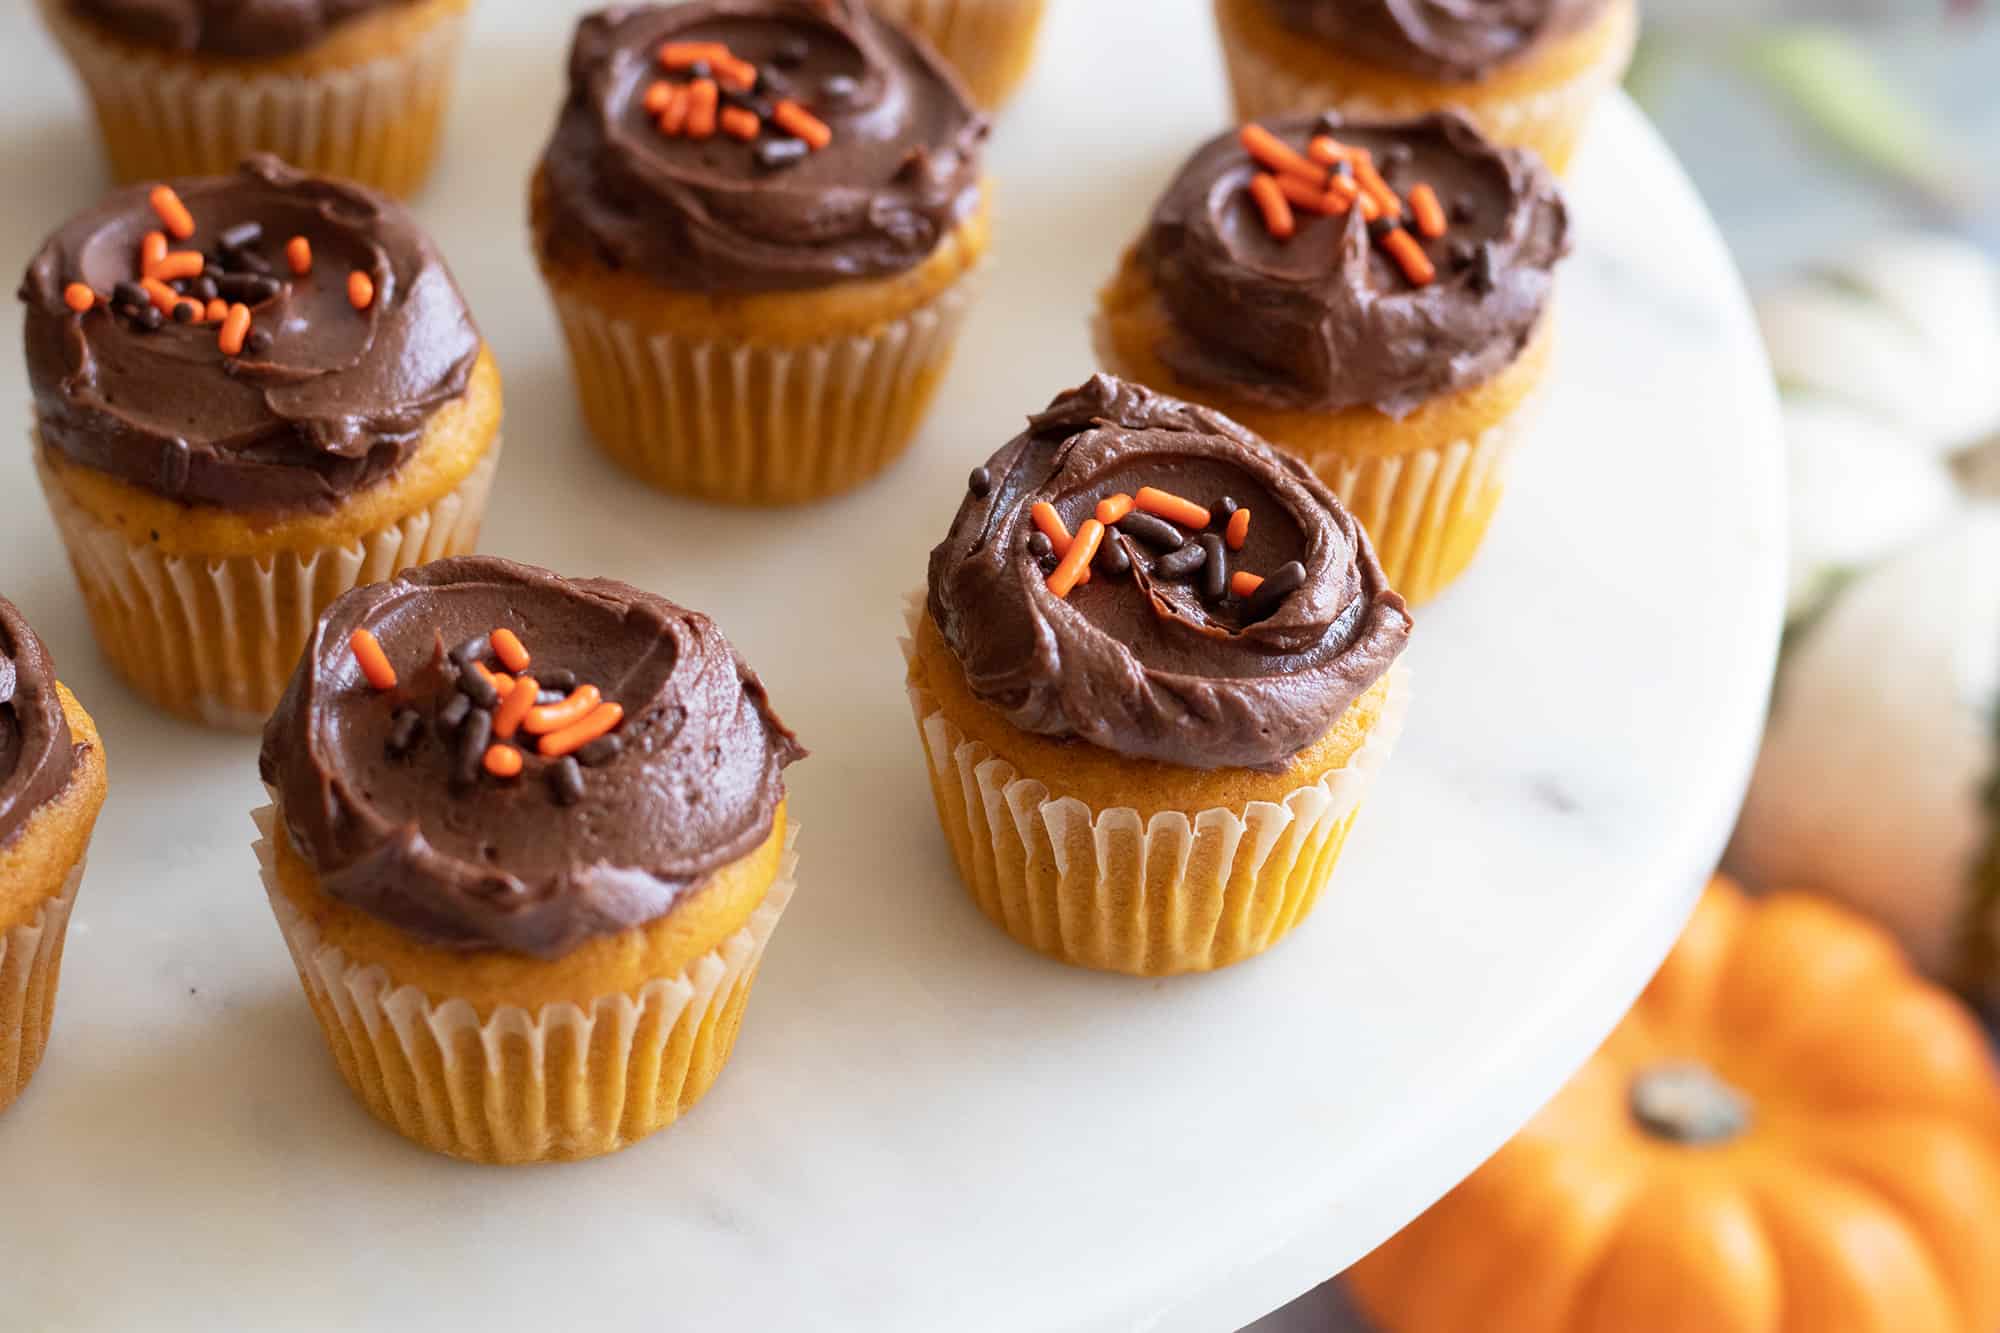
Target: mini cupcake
x=1371 y=297
x=51 y=787
x=760 y=221
x=1528 y=72
x=1154 y=676
x=990 y=43
x=252 y=392
x=353 y=88
x=527 y=845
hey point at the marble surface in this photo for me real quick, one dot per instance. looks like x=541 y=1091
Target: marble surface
x=925 y=1127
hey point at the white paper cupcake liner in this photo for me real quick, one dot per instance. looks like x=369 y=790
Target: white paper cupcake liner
x=217 y=639
x=377 y=122
x=990 y=42
x=560 y=1083
x=1549 y=121
x=1106 y=889
x=755 y=423
x=30 y=968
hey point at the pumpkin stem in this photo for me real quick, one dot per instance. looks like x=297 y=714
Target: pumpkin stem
x=1686 y=1103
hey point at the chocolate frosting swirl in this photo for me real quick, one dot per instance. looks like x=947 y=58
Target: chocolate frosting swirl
x=702 y=215
x=225 y=27
x=694 y=785
x=1143 y=665
x=37 y=752
x=1326 y=320
x=1459 y=41
x=334 y=404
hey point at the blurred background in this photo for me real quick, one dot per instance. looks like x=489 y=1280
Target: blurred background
x=1850 y=150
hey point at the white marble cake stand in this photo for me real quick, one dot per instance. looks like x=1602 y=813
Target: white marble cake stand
x=925 y=1127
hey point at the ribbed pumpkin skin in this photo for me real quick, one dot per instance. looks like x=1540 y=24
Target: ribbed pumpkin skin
x=1863 y=1197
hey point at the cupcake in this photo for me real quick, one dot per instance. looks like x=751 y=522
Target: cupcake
x=527 y=845
x=1372 y=297
x=990 y=43
x=1154 y=674
x=760 y=221
x=252 y=392
x=353 y=88
x=1528 y=72
x=51 y=787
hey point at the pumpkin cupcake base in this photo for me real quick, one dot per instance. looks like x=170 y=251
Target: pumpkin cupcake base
x=367 y=103
x=991 y=43
x=204 y=612
x=1127 y=865
x=39 y=877
x=511 y=1061
x=1542 y=102
x=1426 y=487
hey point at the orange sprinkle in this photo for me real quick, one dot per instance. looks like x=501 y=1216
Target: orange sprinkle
x=79 y=297
x=1081 y=551
x=218 y=310
x=801 y=123
x=554 y=717
x=1274 y=153
x=299 y=254
x=507 y=646
x=235 y=328
x=658 y=94
x=1171 y=507
x=1328 y=202
x=738 y=75
x=1428 y=211
x=514 y=709
x=165 y=297
x=502 y=761
x=597 y=722
x=179 y=264
x=686 y=55
x=1050 y=522
x=1417 y=266
x=367 y=650
x=740 y=123
x=360 y=289
x=174 y=213
x=502 y=683
x=1374 y=186
x=703 y=96
x=1238 y=530
x=1278 y=219
x=1329 y=150
x=1243 y=583
x=673 y=120
x=1371 y=208
x=152 y=249
x=1111 y=510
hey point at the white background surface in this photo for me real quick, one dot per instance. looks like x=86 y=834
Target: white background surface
x=924 y=1126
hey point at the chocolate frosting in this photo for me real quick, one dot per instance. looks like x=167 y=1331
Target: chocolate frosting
x=1140 y=664
x=1326 y=320
x=334 y=404
x=502 y=865
x=37 y=752
x=1460 y=41
x=225 y=27
x=702 y=215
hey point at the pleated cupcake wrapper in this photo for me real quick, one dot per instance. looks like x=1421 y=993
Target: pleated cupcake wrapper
x=1427 y=511
x=30 y=966
x=1106 y=889
x=990 y=43
x=560 y=1083
x=377 y=122
x=1550 y=121
x=754 y=423
x=215 y=640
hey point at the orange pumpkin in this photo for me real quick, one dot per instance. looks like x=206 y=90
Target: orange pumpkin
x=1790 y=1133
